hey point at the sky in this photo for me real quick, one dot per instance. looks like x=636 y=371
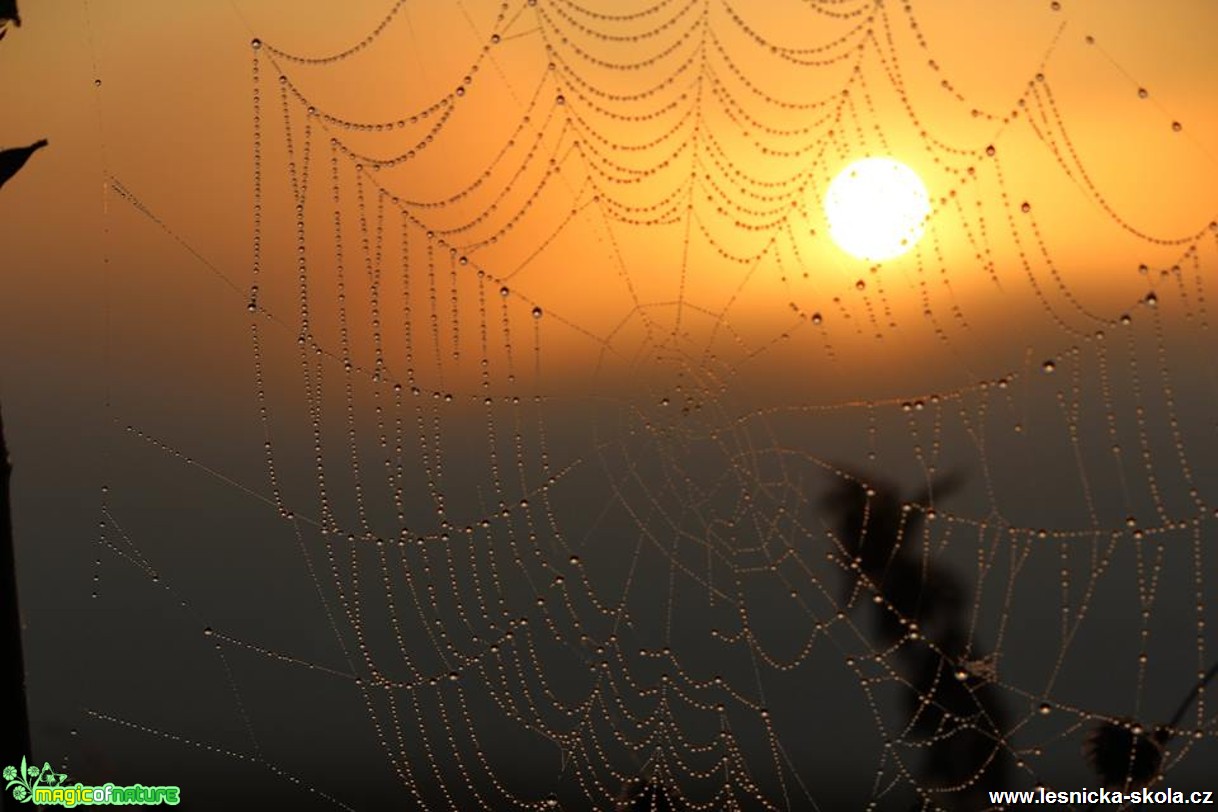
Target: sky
x=635 y=270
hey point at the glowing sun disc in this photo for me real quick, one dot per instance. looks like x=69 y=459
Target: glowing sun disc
x=876 y=208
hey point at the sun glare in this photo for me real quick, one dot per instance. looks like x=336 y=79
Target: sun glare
x=876 y=208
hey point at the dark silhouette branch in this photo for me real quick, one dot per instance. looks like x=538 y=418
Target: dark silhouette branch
x=1187 y=702
x=954 y=707
x=15 y=732
x=8 y=13
x=11 y=160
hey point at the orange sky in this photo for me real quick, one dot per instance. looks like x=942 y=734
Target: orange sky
x=171 y=121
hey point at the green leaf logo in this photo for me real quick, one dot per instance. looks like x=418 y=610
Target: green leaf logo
x=24 y=780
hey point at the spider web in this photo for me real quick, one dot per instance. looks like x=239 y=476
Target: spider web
x=584 y=472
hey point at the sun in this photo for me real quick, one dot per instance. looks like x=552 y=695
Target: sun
x=876 y=208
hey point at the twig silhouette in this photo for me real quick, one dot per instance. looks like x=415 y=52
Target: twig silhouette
x=1125 y=755
x=15 y=740
x=1187 y=702
x=15 y=732
x=954 y=708
x=11 y=160
x=8 y=14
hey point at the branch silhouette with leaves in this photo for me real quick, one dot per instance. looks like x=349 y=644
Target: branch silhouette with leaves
x=954 y=708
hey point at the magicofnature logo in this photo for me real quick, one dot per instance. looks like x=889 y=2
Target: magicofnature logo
x=29 y=777
x=43 y=786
